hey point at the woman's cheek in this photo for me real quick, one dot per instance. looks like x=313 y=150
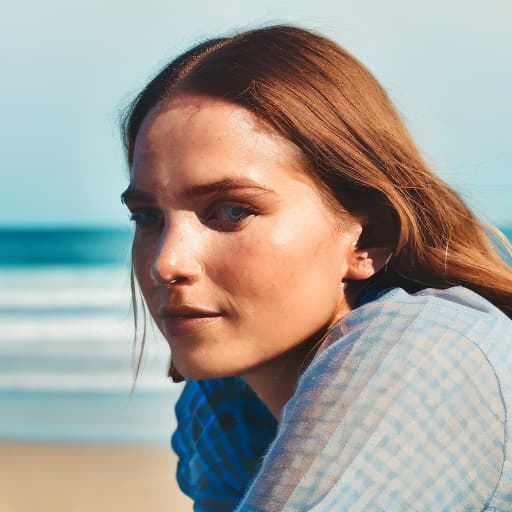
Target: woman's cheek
x=237 y=264
x=259 y=264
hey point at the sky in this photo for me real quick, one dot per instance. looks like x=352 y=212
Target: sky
x=70 y=67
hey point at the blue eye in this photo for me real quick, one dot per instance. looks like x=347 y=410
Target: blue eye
x=228 y=217
x=233 y=213
x=143 y=219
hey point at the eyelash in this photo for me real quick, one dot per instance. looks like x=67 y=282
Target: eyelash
x=145 y=219
x=244 y=211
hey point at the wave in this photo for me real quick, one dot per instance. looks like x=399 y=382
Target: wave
x=34 y=298
x=72 y=383
x=57 y=246
x=65 y=329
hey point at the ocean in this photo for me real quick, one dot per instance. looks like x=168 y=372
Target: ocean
x=66 y=365
x=66 y=350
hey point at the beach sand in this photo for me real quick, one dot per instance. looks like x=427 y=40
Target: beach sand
x=88 y=478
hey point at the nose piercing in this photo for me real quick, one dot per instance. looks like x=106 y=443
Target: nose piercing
x=172 y=282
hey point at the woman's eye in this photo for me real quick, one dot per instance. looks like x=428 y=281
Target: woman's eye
x=144 y=219
x=230 y=214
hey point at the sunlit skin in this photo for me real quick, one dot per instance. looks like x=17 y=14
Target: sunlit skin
x=257 y=261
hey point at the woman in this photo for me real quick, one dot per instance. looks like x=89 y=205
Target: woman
x=340 y=316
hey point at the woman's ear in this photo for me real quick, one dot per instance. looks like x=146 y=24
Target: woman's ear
x=365 y=263
x=371 y=251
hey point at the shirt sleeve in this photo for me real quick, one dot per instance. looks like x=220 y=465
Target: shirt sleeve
x=402 y=413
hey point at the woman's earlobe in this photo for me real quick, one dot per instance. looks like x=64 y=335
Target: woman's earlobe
x=372 y=247
x=361 y=268
x=365 y=263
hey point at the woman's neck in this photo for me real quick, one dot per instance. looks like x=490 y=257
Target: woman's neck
x=275 y=381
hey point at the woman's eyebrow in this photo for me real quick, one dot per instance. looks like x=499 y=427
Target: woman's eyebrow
x=224 y=185
x=196 y=191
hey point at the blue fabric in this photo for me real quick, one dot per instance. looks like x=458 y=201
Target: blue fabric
x=223 y=432
x=404 y=407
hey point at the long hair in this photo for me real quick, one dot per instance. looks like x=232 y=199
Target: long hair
x=353 y=143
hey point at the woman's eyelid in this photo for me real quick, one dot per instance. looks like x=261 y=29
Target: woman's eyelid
x=143 y=208
x=217 y=206
x=236 y=200
x=145 y=216
x=146 y=213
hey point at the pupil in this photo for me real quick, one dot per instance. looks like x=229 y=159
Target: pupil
x=235 y=211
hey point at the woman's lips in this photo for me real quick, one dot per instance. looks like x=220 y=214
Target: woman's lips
x=185 y=320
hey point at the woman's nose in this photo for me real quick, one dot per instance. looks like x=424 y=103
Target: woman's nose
x=176 y=258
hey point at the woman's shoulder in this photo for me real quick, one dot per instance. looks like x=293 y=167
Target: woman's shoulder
x=402 y=408
x=431 y=318
x=457 y=308
x=434 y=335
x=432 y=332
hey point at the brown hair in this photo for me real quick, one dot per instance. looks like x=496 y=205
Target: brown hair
x=315 y=94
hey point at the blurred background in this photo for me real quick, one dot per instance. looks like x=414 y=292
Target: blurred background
x=69 y=430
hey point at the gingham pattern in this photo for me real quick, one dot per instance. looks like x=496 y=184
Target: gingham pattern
x=223 y=432
x=404 y=408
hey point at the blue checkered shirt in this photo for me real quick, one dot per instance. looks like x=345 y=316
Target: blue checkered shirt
x=223 y=432
x=404 y=408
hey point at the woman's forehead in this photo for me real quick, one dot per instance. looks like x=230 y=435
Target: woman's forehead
x=212 y=136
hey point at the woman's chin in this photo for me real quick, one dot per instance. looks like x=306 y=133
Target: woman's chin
x=202 y=372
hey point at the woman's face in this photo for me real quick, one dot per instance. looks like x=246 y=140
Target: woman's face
x=237 y=256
